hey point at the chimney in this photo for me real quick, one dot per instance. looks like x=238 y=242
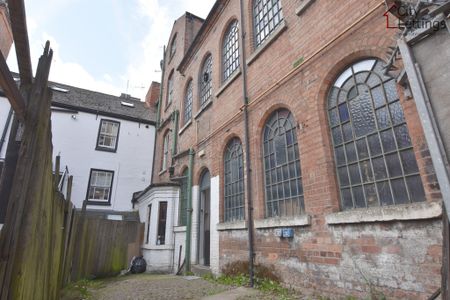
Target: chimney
x=153 y=94
x=6 y=37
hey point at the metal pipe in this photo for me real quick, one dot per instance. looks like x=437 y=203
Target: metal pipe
x=5 y=129
x=187 y=255
x=251 y=254
x=158 y=112
x=175 y=133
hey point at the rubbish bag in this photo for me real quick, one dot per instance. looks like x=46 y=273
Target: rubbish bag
x=138 y=265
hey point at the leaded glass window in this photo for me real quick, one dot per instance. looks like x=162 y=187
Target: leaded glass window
x=165 y=151
x=234 y=182
x=375 y=161
x=184 y=189
x=206 y=81
x=188 y=103
x=170 y=89
x=173 y=46
x=267 y=15
x=231 y=50
x=282 y=173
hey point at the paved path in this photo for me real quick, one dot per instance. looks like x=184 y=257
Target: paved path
x=140 y=287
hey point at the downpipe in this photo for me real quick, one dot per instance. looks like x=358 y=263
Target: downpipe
x=251 y=254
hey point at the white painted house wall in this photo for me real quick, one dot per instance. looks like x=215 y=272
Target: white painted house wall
x=4 y=110
x=74 y=139
x=159 y=258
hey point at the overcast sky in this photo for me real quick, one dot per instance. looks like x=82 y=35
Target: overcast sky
x=105 y=45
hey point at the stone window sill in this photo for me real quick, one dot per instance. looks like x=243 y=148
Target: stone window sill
x=203 y=108
x=238 y=225
x=303 y=220
x=179 y=229
x=303 y=6
x=157 y=247
x=414 y=211
x=185 y=127
x=228 y=82
x=274 y=35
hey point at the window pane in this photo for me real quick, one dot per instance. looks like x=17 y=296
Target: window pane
x=267 y=14
x=282 y=172
x=234 y=183
x=377 y=150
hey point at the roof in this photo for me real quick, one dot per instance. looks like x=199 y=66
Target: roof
x=123 y=107
x=71 y=97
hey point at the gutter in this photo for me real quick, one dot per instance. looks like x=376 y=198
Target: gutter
x=187 y=255
x=251 y=254
x=5 y=129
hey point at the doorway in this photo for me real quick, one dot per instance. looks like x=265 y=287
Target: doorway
x=205 y=220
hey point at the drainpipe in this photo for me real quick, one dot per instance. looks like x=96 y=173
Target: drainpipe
x=187 y=254
x=175 y=117
x=161 y=89
x=247 y=150
x=158 y=111
x=5 y=129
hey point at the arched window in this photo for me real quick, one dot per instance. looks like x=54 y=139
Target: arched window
x=267 y=15
x=374 y=157
x=169 y=89
x=283 y=176
x=206 y=81
x=234 y=182
x=230 y=50
x=184 y=189
x=165 y=157
x=173 y=46
x=188 y=103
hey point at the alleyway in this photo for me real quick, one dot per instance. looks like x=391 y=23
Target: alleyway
x=143 y=287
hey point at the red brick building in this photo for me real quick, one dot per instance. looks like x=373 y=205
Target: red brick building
x=284 y=106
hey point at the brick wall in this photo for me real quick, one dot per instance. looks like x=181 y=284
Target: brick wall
x=400 y=258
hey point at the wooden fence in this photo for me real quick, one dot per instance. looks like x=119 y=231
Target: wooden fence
x=45 y=243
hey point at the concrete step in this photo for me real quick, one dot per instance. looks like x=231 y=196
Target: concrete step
x=200 y=270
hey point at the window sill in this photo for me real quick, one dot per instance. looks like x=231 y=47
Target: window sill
x=167 y=106
x=162 y=172
x=157 y=247
x=98 y=203
x=228 y=82
x=303 y=220
x=305 y=4
x=237 y=225
x=111 y=150
x=179 y=229
x=202 y=109
x=415 y=211
x=274 y=35
x=185 y=127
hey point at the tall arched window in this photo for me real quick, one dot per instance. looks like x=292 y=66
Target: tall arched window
x=234 y=182
x=169 y=89
x=283 y=176
x=188 y=103
x=374 y=157
x=267 y=15
x=206 y=81
x=173 y=46
x=230 y=50
x=165 y=157
x=184 y=189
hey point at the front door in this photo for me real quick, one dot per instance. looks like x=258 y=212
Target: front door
x=205 y=216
